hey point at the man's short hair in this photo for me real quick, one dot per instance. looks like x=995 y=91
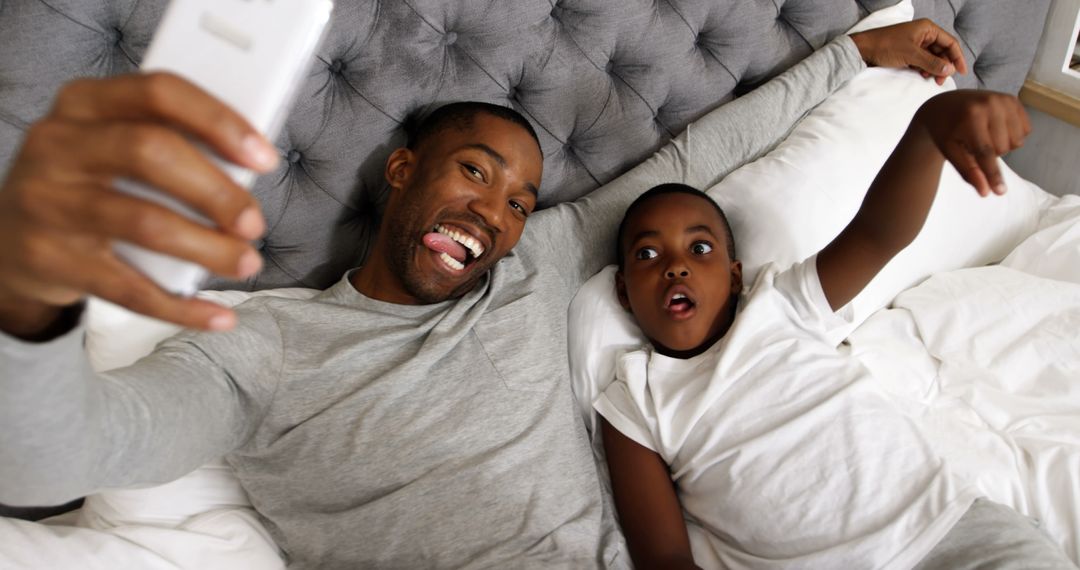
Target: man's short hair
x=672 y=188
x=460 y=115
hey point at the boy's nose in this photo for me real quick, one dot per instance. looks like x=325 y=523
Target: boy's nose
x=677 y=272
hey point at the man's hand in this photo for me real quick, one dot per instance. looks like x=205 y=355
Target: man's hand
x=972 y=129
x=920 y=45
x=59 y=214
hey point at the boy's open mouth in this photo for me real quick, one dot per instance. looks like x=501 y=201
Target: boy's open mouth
x=678 y=302
x=456 y=248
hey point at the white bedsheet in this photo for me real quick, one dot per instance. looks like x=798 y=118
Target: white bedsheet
x=988 y=359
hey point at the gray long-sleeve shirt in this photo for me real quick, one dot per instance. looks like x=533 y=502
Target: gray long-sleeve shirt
x=374 y=434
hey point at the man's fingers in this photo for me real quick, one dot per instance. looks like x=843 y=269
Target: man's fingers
x=937 y=66
x=942 y=43
x=112 y=215
x=165 y=160
x=167 y=98
x=118 y=283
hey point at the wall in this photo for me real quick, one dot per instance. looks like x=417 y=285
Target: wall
x=1051 y=156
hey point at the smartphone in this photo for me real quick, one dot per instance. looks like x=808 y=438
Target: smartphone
x=250 y=54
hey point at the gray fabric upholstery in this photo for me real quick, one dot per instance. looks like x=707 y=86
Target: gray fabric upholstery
x=605 y=82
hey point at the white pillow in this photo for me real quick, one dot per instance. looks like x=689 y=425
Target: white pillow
x=790 y=203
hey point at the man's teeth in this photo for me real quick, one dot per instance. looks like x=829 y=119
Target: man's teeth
x=466 y=240
x=451 y=262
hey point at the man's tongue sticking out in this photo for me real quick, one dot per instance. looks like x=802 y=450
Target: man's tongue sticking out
x=440 y=243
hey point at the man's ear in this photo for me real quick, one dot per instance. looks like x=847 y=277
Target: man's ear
x=736 y=277
x=620 y=290
x=399 y=167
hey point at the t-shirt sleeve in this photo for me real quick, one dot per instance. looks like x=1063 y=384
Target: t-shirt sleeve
x=66 y=431
x=623 y=409
x=801 y=287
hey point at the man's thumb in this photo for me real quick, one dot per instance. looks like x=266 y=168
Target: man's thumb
x=930 y=63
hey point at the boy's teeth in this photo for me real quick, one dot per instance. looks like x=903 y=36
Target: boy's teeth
x=678 y=296
x=466 y=240
x=451 y=262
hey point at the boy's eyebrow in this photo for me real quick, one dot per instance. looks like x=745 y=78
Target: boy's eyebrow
x=700 y=228
x=642 y=235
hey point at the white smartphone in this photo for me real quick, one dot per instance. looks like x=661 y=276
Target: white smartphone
x=250 y=54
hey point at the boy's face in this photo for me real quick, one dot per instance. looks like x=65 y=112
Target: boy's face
x=677 y=279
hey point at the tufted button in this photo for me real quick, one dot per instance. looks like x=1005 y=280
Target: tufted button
x=117 y=36
x=450 y=38
x=294 y=156
x=337 y=66
x=512 y=93
x=610 y=66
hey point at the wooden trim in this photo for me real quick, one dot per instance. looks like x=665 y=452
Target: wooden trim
x=1051 y=101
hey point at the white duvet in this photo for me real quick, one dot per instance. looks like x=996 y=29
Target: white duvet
x=988 y=359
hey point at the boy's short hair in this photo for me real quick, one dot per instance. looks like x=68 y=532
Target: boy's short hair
x=671 y=188
x=460 y=115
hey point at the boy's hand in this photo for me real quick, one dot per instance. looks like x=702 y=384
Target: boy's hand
x=920 y=45
x=972 y=129
x=59 y=213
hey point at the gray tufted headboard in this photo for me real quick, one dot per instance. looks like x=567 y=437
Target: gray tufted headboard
x=605 y=82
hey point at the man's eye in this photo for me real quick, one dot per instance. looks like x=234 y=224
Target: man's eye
x=519 y=207
x=701 y=248
x=645 y=253
x=473 y=171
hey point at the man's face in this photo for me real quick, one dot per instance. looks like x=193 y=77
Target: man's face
x=677 y=278
x=459 y=203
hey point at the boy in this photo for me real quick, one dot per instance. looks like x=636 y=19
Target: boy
x=780 y=451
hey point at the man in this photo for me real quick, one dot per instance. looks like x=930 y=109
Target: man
x=415 y=414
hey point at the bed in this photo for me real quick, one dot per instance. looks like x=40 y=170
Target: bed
x=606 y=83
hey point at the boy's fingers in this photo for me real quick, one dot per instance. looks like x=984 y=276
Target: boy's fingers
x=167 y=98
x=966 y=164
x=988 y=164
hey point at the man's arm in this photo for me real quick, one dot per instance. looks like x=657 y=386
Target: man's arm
x=968 y=128
x=66 y=431
x=580 y=235
x=649 y=511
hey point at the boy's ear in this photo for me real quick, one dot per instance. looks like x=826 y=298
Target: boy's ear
x=399 y=167
x=620 y=290
x=736 y=277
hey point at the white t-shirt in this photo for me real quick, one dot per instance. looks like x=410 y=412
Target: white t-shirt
x=784 y=453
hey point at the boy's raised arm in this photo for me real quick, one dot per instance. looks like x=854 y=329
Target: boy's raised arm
x=970 y=129
x=580 y=234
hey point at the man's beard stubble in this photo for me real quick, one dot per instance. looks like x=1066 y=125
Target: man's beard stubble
x=402 y=244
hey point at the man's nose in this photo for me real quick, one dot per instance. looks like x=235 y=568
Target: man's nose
x=491 y=208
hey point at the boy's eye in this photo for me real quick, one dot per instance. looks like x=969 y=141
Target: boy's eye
x=701 y=248
x=645 y=253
